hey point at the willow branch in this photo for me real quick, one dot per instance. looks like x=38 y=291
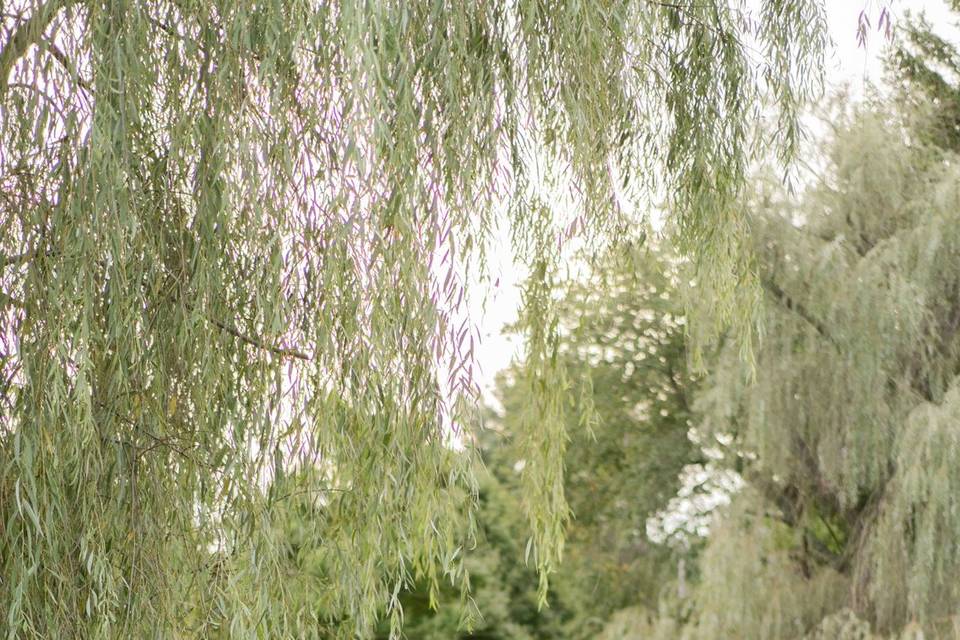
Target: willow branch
x=28 y=33
x=787 y=302
x=798 y=308
x=256 y=342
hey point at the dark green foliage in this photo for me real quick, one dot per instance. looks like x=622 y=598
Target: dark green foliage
x=623 y=343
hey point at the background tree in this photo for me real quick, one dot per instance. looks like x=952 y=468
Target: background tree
x=503 y=588
x=622 y=353
x=924 y=67
x=846 y=431
x=232 y=234
x=623 y=344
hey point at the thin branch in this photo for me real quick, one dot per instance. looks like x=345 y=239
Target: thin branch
x=21 y=258
x=798 y=308
x=65 y=62
x=836 y=539
x=29 y=33
x=157 y=440
x=255 y=342
x=7 y=299
x=294 y=494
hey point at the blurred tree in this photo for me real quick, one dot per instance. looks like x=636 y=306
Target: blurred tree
x=925 y=68
x=622 y=353
x=846 y=431
x=504 y=602
x=622 y=346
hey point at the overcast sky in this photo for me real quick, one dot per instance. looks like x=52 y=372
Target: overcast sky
x=854 y=64
x=848 y=64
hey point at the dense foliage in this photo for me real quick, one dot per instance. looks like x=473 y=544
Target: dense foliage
x=622 y=342
x=622 y=351
x=232 y=239
x=846 y=430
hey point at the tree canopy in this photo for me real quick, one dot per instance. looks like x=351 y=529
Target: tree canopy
x=845 y=431
x=622 y=347
x=233 y=245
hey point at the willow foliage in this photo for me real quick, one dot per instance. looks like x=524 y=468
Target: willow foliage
x=848 y=436
x=232 y=240
x=622 y=350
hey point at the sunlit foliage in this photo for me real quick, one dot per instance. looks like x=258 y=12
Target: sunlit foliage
x=232 y=242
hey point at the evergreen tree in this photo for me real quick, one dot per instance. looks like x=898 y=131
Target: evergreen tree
x=232 y=239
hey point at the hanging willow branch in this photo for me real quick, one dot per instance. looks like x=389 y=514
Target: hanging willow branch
x=335 y=171
x=28 y=33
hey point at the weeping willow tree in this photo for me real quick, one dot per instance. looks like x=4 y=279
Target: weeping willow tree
x=924 y=67
x=233 y=239
x=848 y=439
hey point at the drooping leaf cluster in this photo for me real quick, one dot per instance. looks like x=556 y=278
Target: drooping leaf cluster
x=232 y=238
x=623 y=345
x=622 y=353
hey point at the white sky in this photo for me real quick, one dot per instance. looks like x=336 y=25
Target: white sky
x=848 y=64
